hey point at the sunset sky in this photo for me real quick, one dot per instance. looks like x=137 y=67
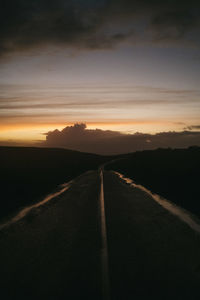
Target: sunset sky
x=129 y=66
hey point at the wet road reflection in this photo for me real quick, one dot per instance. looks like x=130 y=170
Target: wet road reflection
x=181 y=213
x=25 y=211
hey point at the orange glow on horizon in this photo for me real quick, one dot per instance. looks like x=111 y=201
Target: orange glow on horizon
x=32 y=132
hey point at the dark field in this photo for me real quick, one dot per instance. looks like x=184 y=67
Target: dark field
x=58 y=251
x=171 y=173
x=28 y=174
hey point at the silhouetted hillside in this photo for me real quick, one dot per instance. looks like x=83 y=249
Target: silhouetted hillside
x=30 y=173
x=172 y=173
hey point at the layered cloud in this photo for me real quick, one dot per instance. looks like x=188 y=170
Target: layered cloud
x=95 y=103
x=94 y=24
x=78 y=137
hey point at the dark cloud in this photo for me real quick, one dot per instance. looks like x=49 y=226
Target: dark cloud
x=193 y=127
x=78 y=134
x=173 y=25
x=92 y=24
x=78 y=137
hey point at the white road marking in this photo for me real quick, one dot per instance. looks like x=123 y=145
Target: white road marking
x=104 y=250
x=181 y=213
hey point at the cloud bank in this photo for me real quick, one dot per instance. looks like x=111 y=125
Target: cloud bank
x=78 y=137
x=94 y=24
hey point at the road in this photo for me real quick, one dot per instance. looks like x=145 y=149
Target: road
x=100 y=238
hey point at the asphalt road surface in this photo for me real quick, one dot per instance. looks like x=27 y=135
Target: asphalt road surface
x=99 y=239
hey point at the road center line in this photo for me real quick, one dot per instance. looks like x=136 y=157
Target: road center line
x=104 y=250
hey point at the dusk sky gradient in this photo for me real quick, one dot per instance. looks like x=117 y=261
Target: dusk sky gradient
x=129 y=66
